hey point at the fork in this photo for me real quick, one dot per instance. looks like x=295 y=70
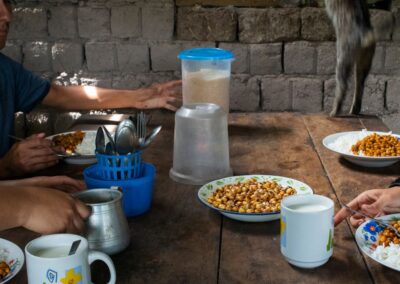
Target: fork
x=15 y=137
x=141 y=127
x=380 y=222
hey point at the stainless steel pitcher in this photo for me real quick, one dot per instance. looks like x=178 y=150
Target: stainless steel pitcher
x=107 y=227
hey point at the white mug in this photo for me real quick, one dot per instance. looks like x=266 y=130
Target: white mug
x=307 y=230
x=48 y=261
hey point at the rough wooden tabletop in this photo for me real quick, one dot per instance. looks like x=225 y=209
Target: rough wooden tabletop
x=181 y=241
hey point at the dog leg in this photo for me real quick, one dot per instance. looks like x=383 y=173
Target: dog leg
x=343 y=70
x=363 y=66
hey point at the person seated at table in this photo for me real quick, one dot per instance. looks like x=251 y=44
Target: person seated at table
x=37 y=205
x=374 y=203
x=21 y=90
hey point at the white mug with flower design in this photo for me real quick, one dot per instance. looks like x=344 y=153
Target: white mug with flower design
x=48 y=261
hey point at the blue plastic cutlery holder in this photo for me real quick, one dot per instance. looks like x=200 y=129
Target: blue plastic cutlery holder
x=119 y=167
x=137 y=192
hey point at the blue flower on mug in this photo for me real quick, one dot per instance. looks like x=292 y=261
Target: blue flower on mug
x=373 y=239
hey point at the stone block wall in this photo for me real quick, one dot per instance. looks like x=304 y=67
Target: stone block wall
x=284 y=49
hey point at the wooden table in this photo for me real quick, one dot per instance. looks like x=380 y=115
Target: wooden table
x=181 y=241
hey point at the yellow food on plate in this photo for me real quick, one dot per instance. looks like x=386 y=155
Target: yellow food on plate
x=4 y=269
x=251 y=196
x=69 y=141
x=376 y=145
x=387 y=236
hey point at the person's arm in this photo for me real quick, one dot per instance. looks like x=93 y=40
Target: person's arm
x=42 y=210
x=29 y=155
x=374 y=203
x=165 y=95
x=63 y=183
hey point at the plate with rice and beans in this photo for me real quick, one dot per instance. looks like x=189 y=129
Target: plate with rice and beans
x=80 y=142
x=250 y=198
x=365 y=148
x=381 y=243
x=11 y=260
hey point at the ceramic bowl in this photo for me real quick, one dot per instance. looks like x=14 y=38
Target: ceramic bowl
x=209 y=188
x=352 y=138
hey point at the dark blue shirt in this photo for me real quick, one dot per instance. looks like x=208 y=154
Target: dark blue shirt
x=20 y=90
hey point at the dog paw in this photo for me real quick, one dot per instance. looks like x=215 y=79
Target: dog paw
x=354 y=110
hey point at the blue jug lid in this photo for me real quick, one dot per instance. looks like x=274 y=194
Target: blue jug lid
x=207 y=53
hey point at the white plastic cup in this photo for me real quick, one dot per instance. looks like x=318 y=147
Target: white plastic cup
x=201 y=144
x=307 y=230
x=206 y=74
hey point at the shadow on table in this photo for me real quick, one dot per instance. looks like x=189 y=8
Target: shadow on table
x=330 y=269
x=252 y=228
x=390 y=170
x=252 y=131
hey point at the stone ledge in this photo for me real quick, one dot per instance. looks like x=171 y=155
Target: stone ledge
x=241 y=3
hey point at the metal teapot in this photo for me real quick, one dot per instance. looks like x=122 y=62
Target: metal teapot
x=107 y=227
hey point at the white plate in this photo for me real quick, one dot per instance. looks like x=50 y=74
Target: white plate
x=86 y=158
x=367 y=237
x=365 y=161
x=208 y=189
x=13 y=256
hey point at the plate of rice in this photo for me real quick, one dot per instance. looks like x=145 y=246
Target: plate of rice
x=250 y=198
x=371 y=239
x=11 y=260
x=365 y=148
x=80 y=142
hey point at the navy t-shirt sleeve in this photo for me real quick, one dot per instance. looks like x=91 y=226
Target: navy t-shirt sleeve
x=394 y=183
x=30 y=89
x=20 y=90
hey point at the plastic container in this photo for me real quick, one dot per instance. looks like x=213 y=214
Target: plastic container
x=206 y=76
x=119 y=167
x=137 y=192
x=201 y=145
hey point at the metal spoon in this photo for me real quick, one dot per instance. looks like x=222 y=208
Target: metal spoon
x=109 y=149
x=150 y=137
x=125 y=140
x=74 y=247
x=125 y=137
x=100 y=141
x=125 y=123
x=110 y=138
x=380 y=222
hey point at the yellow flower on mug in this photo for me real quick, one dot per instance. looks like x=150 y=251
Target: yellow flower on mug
x=71 y=277
x=283 y=231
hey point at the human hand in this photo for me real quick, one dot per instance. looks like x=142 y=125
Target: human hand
x=63 y=183
x=374 y=203
x=48 y=211
x=165 y=95
x=29 y=155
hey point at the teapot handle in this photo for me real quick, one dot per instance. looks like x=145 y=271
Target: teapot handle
x=96 y=255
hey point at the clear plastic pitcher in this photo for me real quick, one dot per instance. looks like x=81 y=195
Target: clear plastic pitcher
x=201 y=144
x=206 y=76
